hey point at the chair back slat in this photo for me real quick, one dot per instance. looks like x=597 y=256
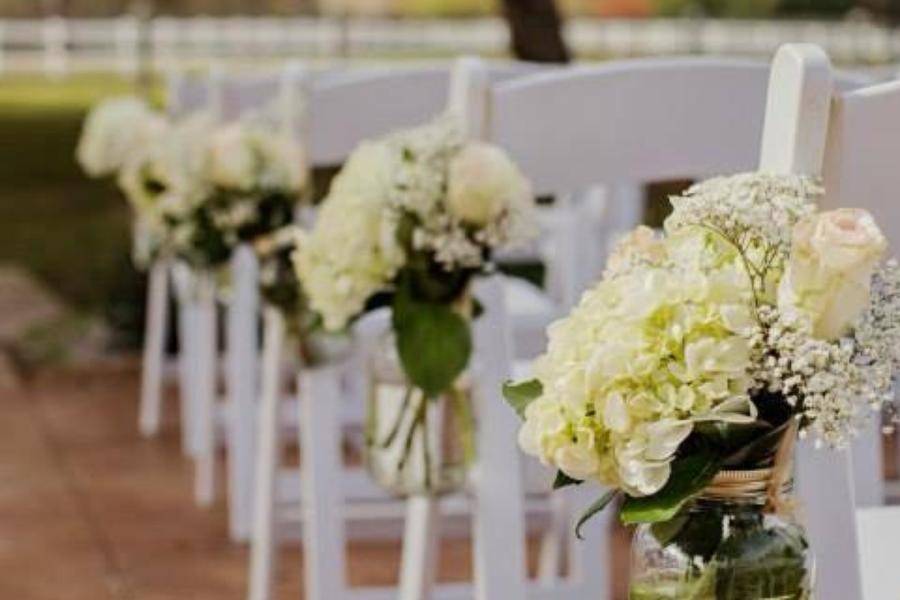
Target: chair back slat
x=863 y=144
x=861 y=157
x=344 y=110
x=632 y=121
x=349 y=107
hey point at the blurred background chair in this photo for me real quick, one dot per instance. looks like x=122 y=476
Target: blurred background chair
x=858 y=172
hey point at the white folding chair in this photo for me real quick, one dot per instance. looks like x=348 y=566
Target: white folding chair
x=185 y=95
x=343 y=110
x=859 y=171
x=574 y=129
x=280 y=95
x=794 y=142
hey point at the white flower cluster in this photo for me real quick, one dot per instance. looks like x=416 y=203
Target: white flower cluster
x=831 y=388
x=878 y=329
x=644 y=356
x=196 y=187
x=752 y=297
x=162 y=179
x=750 y=208
x=113 y=131
x=424 y=191
x=464 y=196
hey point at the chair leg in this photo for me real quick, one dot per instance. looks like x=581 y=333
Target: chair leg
x=324 y=540
x=867 y=453
x=205 y=390
x=263 y=545
x=187 y=313
x=241 y=379
x=418 y=569
x=154 y=349
x=554 y=541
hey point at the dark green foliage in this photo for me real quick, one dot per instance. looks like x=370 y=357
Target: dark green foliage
x=690 y=475
x=760 y=562
x=433 y=340
x=562 y=480
x=593 y=509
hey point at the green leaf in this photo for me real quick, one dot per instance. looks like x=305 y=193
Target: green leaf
x=520 y=395
x=689 y=476
x=434 y=342
x=593 y=509
x=562 y=480
x=728 y=437
x=759 y=452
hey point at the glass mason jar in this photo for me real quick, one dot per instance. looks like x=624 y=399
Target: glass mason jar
x=415 y=445
x=722 y=549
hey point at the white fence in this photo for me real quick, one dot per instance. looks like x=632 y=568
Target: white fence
x=57 y=46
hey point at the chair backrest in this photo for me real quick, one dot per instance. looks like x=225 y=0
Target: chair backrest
x=346 y=108
x=863 y=143
x=617 y=125
x=633 y=120
x=349 y=108
x=861 y=157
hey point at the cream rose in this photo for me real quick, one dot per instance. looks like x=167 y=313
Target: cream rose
x=833 y=255
x=113 y=132
x=483 y=182
x=285 y=163
x=639 y=245
x=232 y=159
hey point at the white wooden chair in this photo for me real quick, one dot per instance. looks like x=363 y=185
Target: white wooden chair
x=794 y=142
x=854 y=548
x=706 y=128
x=859 y=171
x=506 y=530
x=203 y=417
x=573 y=129
x=324 y=504
x=185 y=95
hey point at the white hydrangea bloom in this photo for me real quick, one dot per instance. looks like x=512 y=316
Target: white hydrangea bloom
x=391 y=199
x=345 y=259
x=466 y=196
x=644 y=356
x=114 y=131
x=248 y=155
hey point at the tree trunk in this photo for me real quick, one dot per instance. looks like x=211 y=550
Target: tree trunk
x=536 y=31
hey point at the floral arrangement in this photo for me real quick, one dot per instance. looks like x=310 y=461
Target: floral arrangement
x=197 y=188
x=409 y=220
x=752 y=318
x=280 y=288
x=208 y=188
x=114 y=130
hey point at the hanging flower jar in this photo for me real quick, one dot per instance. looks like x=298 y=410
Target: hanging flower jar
x=409 y=221
x=737 y=540
x=682 y=379
x=415 y=444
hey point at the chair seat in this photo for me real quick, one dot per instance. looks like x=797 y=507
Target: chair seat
x=879 y=543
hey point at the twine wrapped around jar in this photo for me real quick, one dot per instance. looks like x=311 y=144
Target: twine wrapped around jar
x=775 y=481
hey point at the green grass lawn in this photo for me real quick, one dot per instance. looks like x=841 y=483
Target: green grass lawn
x=71 y=232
